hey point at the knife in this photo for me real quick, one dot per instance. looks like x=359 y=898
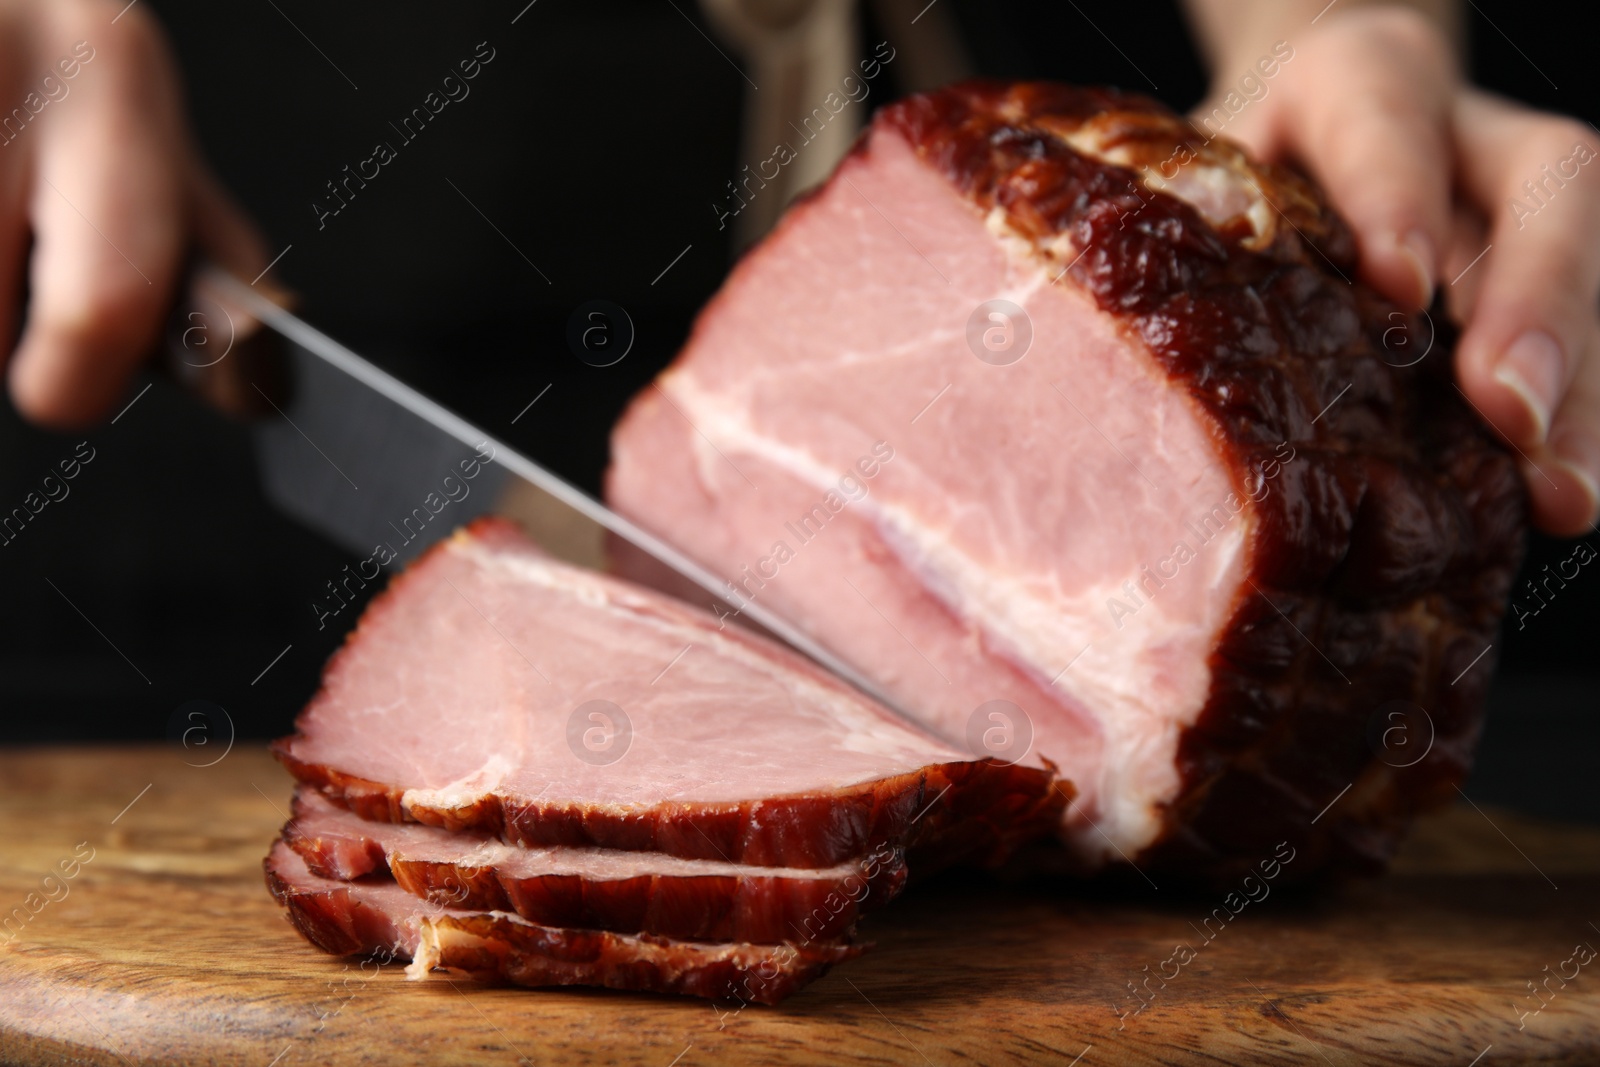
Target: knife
x=354 y=453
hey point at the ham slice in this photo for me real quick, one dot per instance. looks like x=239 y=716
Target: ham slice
x=493 y=688
x=599 y=889
x=1042 y=403
x=347 y=918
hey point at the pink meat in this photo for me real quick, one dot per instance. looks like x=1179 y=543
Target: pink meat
x=1195 y=534
x=592 y=888
x=379 y=917
x=494 y=688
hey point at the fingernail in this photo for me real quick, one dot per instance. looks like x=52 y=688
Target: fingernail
x=1532 y=368
x=1579 y=453
x=1417 y=249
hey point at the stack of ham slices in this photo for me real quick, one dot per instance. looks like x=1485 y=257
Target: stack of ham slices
x=523 y=771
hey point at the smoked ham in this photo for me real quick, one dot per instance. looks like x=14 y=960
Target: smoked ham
x=491 y=687
x=1069 y=429
x=520 y=770
x=379 y=918
x=1045 y=403
x=598 y=889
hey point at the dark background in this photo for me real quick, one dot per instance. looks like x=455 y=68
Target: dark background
x=596 y=141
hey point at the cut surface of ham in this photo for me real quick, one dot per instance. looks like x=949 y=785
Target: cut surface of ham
x=491 y=687
x=591 y=888
x=1042 y=404
x=379 y=917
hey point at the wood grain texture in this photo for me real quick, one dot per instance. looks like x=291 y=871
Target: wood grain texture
x=167 y=948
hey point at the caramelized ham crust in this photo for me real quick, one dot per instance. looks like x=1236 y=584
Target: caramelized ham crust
x=593 y=888
x=347 y=918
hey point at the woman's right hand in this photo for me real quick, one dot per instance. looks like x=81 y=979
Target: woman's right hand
x=103 y=196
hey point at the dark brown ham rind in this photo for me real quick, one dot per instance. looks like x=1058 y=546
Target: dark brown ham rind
x=380 y=917
x=629 y=892
x=1383 y=565
x=977 y=812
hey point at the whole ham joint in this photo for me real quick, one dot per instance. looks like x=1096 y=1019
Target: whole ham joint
x=493 y=688
x=1043 y=402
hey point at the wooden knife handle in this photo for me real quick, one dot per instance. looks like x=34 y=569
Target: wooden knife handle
x=219 y=352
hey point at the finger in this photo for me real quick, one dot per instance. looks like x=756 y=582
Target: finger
x=1365 y=108
x=107 y=214
x=15 y=165
x=1535 y=177
x=1564 y=476
x=1369 y=115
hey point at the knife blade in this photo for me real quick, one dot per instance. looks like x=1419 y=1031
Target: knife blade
x=358 y=455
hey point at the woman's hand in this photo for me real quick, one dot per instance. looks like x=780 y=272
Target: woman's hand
x=102 y=196
x=1449 y=187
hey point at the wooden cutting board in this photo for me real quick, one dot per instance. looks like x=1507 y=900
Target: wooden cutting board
x=165 y=947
